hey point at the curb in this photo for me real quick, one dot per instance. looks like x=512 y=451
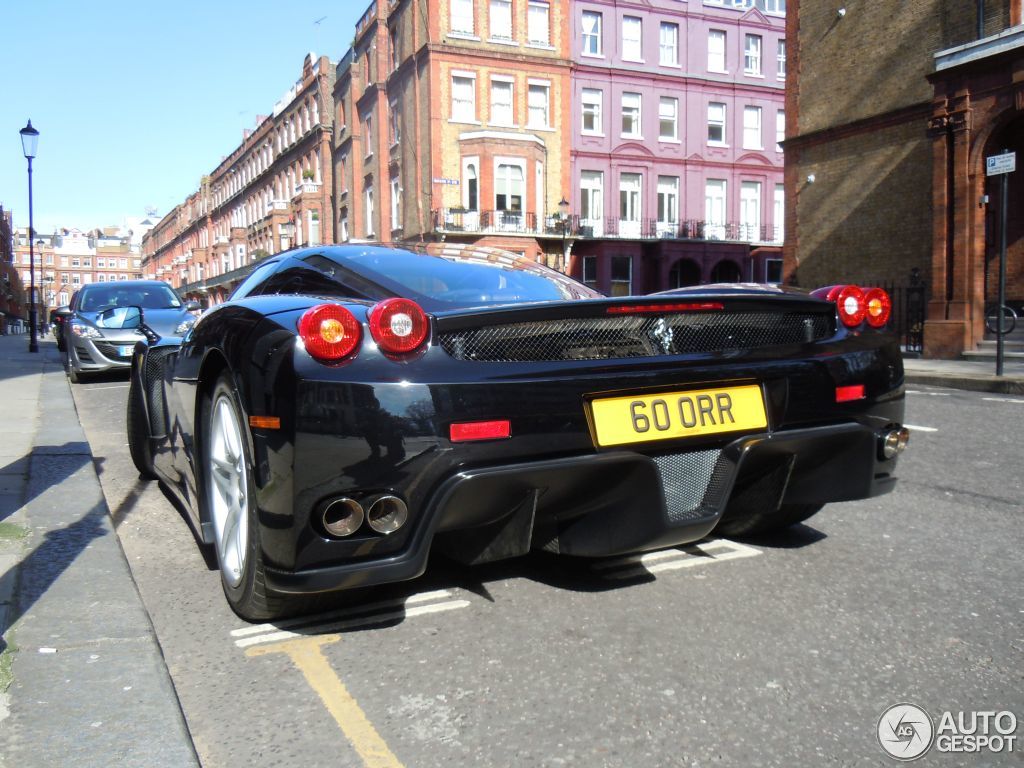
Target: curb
x=978 y=383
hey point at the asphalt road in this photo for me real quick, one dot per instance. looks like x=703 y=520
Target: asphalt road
x=780 y=651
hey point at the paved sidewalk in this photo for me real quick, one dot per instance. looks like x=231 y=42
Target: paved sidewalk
x=976 y=375
x=90 y=686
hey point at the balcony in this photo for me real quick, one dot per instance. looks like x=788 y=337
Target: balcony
x=306 y=187
x=455 y=221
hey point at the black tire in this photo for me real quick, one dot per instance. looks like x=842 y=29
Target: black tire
x=785 y=517
x=249 y=597
x=74 y=376
x=138 y=431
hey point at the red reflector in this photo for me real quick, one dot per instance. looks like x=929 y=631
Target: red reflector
x=330 y=332
x=851 y=392
x=398 y=325
x=265 y=422
x=637 y=309
x=480 y=430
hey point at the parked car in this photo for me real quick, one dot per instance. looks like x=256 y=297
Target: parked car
x=351 y=408
x=57 y=318
x=96 y=337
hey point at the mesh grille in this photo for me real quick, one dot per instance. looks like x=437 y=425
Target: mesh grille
x=153 y=377
x=603 y=338
x=110 y=351
x=694 y=483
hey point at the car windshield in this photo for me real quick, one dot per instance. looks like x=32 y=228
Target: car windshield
x=471 y=276
x=153 y=296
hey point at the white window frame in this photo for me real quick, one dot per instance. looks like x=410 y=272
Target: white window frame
x=668 y=205
x=458 y=117
x=510 y=218
x=593 y=38
x=500 y=21
x=777 y=7
x=717 y=42
x=538 y=23
x=715 y=208
x=396 y=202
x=780 y=129
x=632 y=39
x=714 y=121
x=753 y=133
x=592 y=105
x=508 y=84
x=752 y=47
x=533 y=104
x=780 y=60
x=668 y=44
x=635 y=114
x=779 y=213
x=630 y=204
x=668 y=114
x=368 y=211
x=592 y=201
x=461 y=22
x=750 y=211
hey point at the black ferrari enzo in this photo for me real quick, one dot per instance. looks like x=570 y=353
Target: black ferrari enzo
x=353 y=407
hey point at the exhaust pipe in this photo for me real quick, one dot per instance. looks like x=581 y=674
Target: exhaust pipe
x=342 y=517
x=894 y=442
x=387 y=514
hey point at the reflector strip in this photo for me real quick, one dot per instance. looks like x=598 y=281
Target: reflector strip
x=851 y=392
x=265 y=422
x=693 y=306
x=480 y=430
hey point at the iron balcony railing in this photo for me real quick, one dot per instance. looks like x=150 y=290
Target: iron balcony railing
x=461 y=220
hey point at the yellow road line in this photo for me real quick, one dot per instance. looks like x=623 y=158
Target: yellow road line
x=307 y=655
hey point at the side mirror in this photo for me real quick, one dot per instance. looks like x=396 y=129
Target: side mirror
x=132 y=317
x=192 y=306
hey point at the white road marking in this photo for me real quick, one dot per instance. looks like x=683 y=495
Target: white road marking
x=112 y=386
x=714 y=551
x=914 y=428
x=928 y=394
x=1003 y=400
x=354 y=617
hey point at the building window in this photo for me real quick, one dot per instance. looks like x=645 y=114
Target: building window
x=780 y=59
x=471 y=187
x=779 y=214
x=592 y=34
x=501 y=19
x=632 y=38
x=342 y=229
x=463 y=99
x=501 y=102
x=538 y=23
x=668 y=44
x=775 y=6
x=668 y=203
x=750 y=211
x=631 y=114
x=629 y=204
x=714 y=208
x=369 y=211
x=367 y=140
x=461 y=22
x=392 y=48
x=752 y=55
x=101 y=263
x=752 y=128
x=538 y=106
x=396 y=203
x=780 y=129
x=396 y=128
x=716 y=123
x=668 y=117
x=313 y=226
x=592 y=201
x=592 y=101
x=716 y=51
x=773 y=270
x=590 y=271
x=622 y=276
x=508 y=188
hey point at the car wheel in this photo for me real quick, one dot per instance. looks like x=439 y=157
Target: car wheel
x=138 y=433
x=786 y=516
x=231 y=495
x=73 y=376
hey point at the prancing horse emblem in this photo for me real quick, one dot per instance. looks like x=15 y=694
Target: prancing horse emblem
x=661 y=334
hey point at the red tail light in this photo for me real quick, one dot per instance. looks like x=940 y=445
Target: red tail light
x=691 y=306
x=850 y=393
x=398 y=325
x=480 y=430
x=330 y=332
x=877 y=307
x=850 y=303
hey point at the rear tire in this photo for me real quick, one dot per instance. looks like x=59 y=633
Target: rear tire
x=138 y=431
x=786 y=516
x=230 y=496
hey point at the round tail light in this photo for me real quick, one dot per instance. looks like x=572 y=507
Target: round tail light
x=398 y=325
x=850 y=303
x=877 y=307
x=330 y=332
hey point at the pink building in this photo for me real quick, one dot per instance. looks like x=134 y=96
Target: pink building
x=676 y=165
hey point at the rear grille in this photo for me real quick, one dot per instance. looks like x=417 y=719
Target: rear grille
x=604 y=338
x=695 y=484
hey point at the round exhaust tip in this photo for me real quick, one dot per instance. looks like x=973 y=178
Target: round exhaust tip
x=342 y=517
x=894 y=442
x=387 y=514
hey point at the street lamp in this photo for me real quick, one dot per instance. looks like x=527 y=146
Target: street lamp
x=29 y=142
x=563 y=215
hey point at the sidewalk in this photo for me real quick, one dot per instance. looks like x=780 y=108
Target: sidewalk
x=979 y=376
x=88 y=685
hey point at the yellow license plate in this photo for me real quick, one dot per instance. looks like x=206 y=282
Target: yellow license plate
x=641 y=419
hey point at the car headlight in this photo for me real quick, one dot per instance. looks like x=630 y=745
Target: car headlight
x=184 y=326
x=85 y=331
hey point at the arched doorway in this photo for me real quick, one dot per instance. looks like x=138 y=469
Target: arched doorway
x=684 y=272
x=726 y=271
x=1009 y=137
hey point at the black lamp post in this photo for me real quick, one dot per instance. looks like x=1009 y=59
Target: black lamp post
x=563 y=214
x=29 y=142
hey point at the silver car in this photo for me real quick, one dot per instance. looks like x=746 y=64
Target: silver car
x=95 y=336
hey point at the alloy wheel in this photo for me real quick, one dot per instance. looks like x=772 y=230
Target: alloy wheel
x=229 y=486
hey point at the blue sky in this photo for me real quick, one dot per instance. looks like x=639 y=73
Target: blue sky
x=135 y=102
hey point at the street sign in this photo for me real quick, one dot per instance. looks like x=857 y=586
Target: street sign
x=1004 y=163
x=445 y=181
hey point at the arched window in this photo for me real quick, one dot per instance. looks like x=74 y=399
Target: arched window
x=683 y=273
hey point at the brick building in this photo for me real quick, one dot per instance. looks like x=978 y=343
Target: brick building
x=452 y=122
x=676 y=167
x=271 y=193
x=885 y=157
x=13 y=313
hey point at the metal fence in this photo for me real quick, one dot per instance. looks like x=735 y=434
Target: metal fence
x=909 y=302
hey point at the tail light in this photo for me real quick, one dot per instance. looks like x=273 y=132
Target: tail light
x=398 y=325
x=878 y=307
x=330 y=332
x=850 y=303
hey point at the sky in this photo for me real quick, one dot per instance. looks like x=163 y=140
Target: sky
x=135 y=102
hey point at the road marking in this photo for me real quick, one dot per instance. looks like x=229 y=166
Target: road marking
x=354 y=617
x=702 y=553
x=928 y=394
x=307 y=656
x=1003 y=400
x=915 y=428
x=112 y=386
